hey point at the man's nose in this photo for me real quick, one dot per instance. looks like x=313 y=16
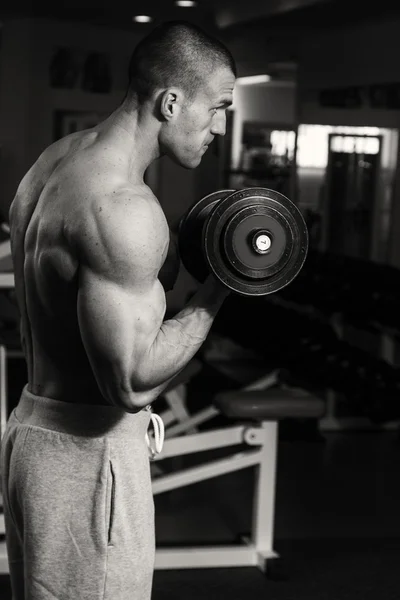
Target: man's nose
x=219 y=125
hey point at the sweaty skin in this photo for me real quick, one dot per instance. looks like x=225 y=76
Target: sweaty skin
x=89 y=244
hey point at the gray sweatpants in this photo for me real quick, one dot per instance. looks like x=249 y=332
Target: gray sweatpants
x=78 y=503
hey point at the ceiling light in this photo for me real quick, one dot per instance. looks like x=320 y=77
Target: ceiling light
x=142 y=19
x=185 y=3
x=253 y=79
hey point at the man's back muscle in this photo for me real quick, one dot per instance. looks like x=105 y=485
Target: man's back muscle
x=50 y=212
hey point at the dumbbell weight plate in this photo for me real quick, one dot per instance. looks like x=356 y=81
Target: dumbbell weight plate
x=255 y=241
x=190 y=237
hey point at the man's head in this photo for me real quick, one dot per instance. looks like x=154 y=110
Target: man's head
x=188 y=77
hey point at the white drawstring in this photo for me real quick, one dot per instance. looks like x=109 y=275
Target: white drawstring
x=159 y=434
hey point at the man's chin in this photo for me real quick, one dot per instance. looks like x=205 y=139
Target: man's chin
x=188 y=164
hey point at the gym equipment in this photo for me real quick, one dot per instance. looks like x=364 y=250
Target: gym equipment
x=367 y=294
x=253 y=240
x=311 y=354
x=256 y=412
x=6 y=278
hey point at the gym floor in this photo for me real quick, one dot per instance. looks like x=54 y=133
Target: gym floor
x=337 y=525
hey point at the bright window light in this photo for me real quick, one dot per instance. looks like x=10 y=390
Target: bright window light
x=185 y=3
x=253 y=79
x=359 y=145
x=142 y=19
x=283 y=143
x=312 y=143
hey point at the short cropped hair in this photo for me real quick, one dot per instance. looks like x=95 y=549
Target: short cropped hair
x=176 y=53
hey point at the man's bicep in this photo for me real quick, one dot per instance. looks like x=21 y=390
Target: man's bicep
x=117 y=325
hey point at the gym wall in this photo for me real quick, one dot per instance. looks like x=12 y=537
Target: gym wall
x=27 y=101
x=359 y=55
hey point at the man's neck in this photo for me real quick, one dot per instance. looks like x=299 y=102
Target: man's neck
x=133 y=132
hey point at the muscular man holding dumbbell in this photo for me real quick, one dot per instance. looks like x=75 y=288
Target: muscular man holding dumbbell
x=89 y=245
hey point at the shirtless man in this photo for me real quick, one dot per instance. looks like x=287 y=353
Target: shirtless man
x=89 y=244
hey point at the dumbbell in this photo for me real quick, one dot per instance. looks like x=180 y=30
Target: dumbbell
x=254 y=240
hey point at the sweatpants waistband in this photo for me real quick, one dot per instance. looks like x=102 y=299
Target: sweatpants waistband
x=80 y=419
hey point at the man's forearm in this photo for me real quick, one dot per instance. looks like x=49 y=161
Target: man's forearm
x=179 y=339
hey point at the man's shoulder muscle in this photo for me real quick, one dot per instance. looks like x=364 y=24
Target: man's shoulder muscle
x=124 y=227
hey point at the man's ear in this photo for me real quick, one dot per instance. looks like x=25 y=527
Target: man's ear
x=170 y=103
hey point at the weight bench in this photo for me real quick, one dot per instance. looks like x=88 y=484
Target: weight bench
x=257 y=413
x=176 y=417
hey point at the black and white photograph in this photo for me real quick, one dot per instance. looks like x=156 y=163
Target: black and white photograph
x=200 y=300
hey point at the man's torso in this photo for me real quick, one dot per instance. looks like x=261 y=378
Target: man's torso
x=48 y=216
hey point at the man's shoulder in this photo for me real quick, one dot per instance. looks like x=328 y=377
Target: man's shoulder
x=122 y=219
x=122 y=201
